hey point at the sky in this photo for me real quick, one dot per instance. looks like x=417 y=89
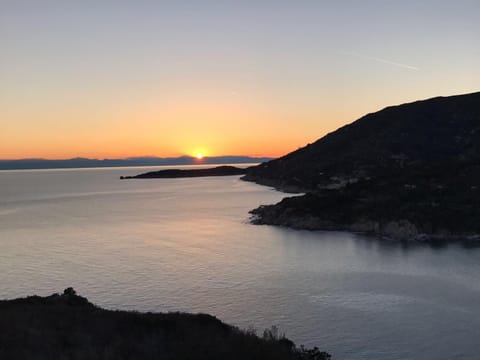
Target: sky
x=109 y=79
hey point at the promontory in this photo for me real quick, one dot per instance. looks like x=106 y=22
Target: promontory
x=224 y=170
x=408 y=172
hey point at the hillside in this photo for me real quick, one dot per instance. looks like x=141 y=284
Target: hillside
x=410 y=171
x=68 y=326
x=395 y=139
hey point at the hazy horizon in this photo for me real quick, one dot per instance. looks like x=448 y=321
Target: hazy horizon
x=135 y=161
x=133 y=157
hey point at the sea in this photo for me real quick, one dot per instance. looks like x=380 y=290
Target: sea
x=187 y=245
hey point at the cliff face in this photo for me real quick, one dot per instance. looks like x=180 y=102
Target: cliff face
x=68 y=326
x=407 y=171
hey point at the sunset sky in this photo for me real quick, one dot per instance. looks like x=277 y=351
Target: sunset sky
x=118 y=78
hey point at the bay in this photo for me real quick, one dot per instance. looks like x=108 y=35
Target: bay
x=187 y=245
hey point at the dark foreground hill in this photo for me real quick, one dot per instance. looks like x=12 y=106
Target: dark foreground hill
x=410 y=171
x=67 y=326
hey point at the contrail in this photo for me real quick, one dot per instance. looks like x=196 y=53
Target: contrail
x=385 y=61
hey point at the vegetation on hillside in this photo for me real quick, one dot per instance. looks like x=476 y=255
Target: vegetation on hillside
x=68 y=326
x=429 y=133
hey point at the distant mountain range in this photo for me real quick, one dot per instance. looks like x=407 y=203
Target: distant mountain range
x=407 y=171
x=133 y=161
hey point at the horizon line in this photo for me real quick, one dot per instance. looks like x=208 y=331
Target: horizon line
x=135 y=157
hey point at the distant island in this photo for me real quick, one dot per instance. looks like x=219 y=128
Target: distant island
x=184 y=173
x=23 y=164
x=409 y=172
x=68 y=326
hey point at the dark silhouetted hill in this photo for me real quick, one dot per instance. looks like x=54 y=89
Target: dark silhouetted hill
x=409 y=171
x=417 y=134
x=67 y=326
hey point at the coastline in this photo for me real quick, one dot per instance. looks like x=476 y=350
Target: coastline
x=401 y=231
x=344 y=209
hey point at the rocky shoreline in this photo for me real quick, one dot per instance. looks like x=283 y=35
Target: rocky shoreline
x=395 y=230
x=398 y=231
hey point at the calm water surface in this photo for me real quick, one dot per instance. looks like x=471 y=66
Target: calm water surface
x=186 y=244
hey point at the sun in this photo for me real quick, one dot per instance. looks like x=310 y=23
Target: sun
x=199 y=156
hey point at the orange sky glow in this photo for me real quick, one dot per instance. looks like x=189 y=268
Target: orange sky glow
x=122 y=79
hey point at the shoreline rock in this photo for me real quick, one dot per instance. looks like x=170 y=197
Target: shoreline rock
x=401 y=231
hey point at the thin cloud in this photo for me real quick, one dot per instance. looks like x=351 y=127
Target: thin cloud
x=384 y=61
